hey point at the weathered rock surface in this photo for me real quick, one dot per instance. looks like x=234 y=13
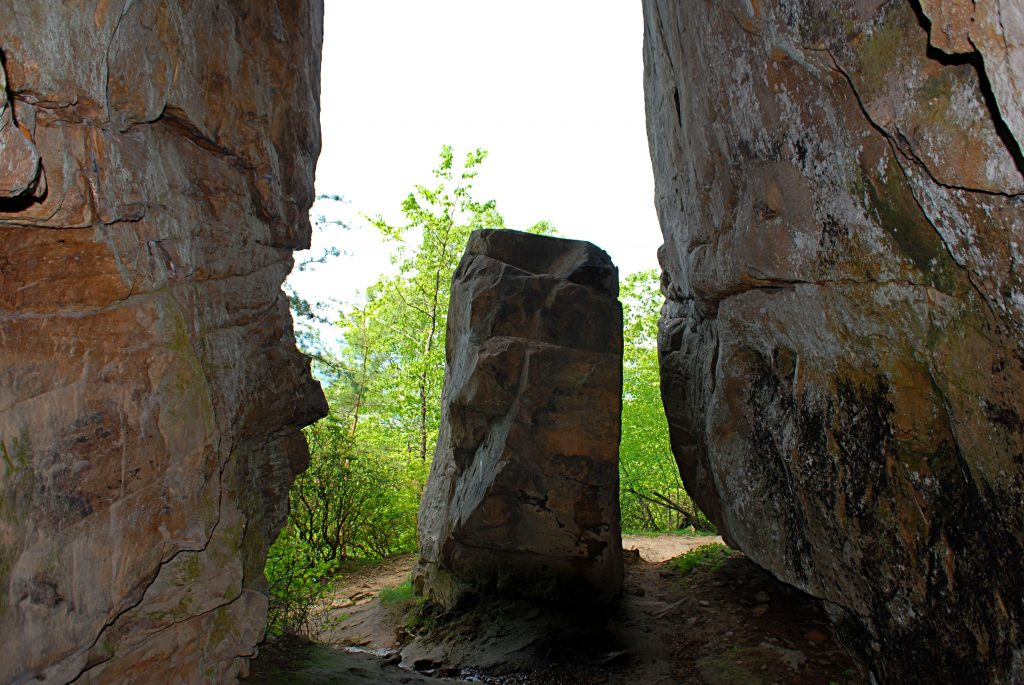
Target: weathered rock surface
x=156 y=166
x=843 y=340
x=522 y=497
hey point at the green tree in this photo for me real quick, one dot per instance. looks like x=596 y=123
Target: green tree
x=412 y=306
x=652 y=496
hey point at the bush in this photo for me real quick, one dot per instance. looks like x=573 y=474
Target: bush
x=346 y=504
x=298 y=585
x=651 y=493
x=708 y=557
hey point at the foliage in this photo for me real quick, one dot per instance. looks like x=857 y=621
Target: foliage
x=708 y=557
x=652 y=496
x=346 y=503
x=687 y=532
x=410 y=309
x=305 y=314
x=543 y=228
x=297 y=585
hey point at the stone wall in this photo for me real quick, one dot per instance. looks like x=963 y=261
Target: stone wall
x=156 y=168
x=840 y=189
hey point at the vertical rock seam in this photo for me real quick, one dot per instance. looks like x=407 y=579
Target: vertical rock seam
x=523 y=495
x=156 y=170
x=839 y=186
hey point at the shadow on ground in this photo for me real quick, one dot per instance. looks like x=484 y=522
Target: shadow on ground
x=721 y=623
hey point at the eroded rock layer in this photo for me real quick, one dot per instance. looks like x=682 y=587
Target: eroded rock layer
x=522 y=498
x=839 y=186
x=156 y=169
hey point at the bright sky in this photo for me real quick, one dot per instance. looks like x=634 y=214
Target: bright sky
x=553 y=89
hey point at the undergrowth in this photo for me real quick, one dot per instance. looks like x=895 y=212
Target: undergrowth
x=708 y=557
x=421 y=618
x=400 y=593
x=687 y=532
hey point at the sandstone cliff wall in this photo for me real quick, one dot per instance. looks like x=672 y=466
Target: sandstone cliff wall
x=840 y=190
x=156 y=167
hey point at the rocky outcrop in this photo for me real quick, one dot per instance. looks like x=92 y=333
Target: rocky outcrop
x=843 y=340
x=522 y=497
x=156 y=168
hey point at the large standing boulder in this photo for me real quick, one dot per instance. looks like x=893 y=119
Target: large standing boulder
x=156 y=170
x=522 y=498
x=843 y=342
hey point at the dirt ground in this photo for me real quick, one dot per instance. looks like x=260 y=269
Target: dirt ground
x=362 y=586
x=712 y=626
x=658 y=548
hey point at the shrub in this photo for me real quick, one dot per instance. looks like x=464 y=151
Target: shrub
x=708 y=557
x=298 y=584
x=346 y=504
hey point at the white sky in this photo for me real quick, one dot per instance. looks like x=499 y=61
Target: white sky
x=553 y=89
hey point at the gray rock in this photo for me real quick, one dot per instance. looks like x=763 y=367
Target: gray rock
x=842 y=345
x=522 y=498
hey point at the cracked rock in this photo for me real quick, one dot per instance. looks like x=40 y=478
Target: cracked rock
x=522 y=498
x=151 y=395
x=842 y=345
x=20 y=167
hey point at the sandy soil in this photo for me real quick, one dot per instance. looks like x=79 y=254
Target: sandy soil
x=713 y=626
x=664 y=547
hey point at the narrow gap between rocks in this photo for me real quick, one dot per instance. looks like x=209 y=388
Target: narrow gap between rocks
x=514 y=569
x=532 y=406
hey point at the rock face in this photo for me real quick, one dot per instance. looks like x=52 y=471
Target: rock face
x=842 y=347
x=522 y=497
x=156 y=168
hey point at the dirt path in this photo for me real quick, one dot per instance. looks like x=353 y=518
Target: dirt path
x=664 y=547
x=712 y=626
x=357 y=620
x=362 y=586
x=360 y=619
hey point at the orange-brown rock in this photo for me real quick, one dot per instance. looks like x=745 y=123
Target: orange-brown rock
x=20 y=171
x=156 y=165
x=991 y=34
x=842 y=346
x=522 y=498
